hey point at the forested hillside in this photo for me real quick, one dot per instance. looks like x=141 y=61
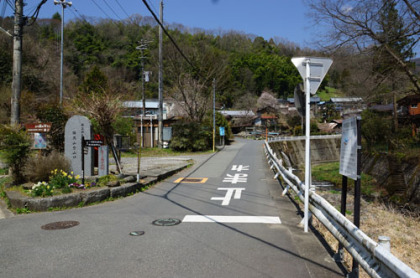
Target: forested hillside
x=243 y=65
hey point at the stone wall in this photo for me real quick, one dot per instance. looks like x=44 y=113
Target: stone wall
x=322 y=150
x=399 y=177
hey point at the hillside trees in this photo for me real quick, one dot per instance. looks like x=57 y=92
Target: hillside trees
x=389 y=26
x=258 y=71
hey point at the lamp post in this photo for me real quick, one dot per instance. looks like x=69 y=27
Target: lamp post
x=64 y=5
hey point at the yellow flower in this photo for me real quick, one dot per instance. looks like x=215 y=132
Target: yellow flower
x=48 y=187
x=65 y=174
x=77 y=177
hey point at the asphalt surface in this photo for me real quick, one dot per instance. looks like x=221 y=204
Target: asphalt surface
x=100 y=246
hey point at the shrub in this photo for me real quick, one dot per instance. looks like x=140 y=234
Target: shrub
x=191 y=136
x=54 y=114
x=39 y=168
x=16 y=146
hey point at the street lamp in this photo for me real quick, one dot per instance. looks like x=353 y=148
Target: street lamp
x=63 y=4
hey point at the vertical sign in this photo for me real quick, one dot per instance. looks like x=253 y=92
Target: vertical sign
x=222 y=131
x=76 y=127
x=103 y=161
x=348 y=152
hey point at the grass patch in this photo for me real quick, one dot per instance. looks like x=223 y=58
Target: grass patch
x=330 y=172
x=328 y=93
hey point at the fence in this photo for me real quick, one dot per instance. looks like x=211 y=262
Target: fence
x=375 y=259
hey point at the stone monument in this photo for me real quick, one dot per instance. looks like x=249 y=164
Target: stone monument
x=76 y=128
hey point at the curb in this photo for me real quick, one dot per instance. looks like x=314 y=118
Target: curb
x=18 y=200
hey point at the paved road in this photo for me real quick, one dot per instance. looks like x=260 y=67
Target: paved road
x=239 y=188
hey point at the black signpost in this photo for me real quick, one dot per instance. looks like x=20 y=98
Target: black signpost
x=88 y=144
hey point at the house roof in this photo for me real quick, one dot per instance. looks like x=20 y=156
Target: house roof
x=313 y=100
x=346 y=99
x=139 y=104
x=383 y=107
x=411 y=99
x=237 y=113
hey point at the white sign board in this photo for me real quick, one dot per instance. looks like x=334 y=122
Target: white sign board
x=318 y=69
x=348 y=152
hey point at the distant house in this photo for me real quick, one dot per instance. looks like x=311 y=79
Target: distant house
x=348 y=105
x=134 y=109
x=411 y=104
x=333 y=127
x=239 y=119
x=147 y=127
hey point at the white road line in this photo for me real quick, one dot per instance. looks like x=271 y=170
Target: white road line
x=232 y=219
x=228 y=196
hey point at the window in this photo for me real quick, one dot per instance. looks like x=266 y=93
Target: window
x=414 y=105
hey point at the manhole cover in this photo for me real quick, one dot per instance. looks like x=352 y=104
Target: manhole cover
x=137 y=233
x=60 y=225
x=166 y=222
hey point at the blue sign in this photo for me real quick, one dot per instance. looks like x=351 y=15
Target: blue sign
x=222 y=131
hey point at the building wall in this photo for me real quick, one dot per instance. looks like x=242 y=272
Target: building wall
x=414 y=109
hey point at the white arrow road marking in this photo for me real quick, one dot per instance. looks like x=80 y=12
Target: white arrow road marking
x=231 y=219
x=228 y=196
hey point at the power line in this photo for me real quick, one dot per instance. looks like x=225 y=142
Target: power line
x=99 y=7
x=112 y=10
x=169 y=36
x=82 y=17
x=118 y=3
x=35 y=14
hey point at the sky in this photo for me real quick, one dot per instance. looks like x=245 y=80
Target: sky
x=267 y=18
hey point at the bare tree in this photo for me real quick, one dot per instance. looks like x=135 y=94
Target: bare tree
x=360 y=24
x=103 y=108
x=267 y=101
x=193 y=79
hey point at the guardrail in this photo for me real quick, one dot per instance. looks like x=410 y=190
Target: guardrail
x=296 y=138
x=375 y=259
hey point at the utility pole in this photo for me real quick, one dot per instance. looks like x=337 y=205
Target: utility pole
x=214 y=114
x=160 y=127
x=17 y=63
x=142 y=47
x=63 y=4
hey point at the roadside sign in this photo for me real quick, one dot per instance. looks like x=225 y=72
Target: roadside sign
x=40 y=141
x=299 y=96
x=348 y=152
x=38 y=127
x=222 y=131
x=318 y=69
x=313 y=71
x=93 y=143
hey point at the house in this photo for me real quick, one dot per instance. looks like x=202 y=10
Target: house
x=348 y=105
x=239 y=119
x=147 y=127
x=135 y=108
x=411 y=104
